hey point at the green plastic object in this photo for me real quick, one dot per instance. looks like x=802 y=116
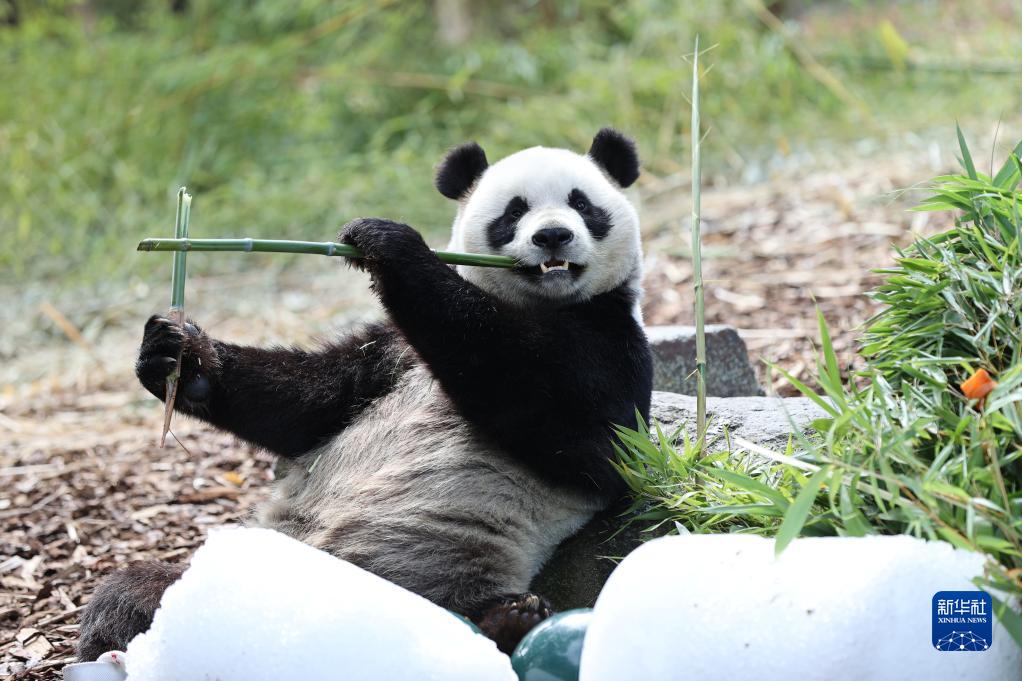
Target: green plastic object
x=553 y=649
x=469 y=623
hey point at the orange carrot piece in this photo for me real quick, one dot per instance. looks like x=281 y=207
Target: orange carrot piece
x=979 y=385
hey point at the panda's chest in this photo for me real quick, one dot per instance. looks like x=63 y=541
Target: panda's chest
x=411 y=456
x=412 y=433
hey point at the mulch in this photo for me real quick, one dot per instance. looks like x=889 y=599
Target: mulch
x=776 y=252
x=89 y=491
x=86 y=488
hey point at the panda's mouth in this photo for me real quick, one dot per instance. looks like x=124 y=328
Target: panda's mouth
x=553 y=268
x=554 y=265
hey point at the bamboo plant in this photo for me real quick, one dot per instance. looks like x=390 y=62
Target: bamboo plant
x=329 y=248
x=697 y=261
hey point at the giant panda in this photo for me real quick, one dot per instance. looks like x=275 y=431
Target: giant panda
x=451 y=448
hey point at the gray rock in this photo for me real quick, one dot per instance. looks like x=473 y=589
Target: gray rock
x=763 y=420
x=728 y=372
x=575 y=574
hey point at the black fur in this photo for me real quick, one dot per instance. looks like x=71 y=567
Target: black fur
x=544 y=384
x=501 y=231
x=460 y=169
x=616 y=154
x=123 y=606
x=597 y=220
x=287 y=401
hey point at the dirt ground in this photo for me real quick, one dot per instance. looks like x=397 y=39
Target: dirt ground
x=85 y=488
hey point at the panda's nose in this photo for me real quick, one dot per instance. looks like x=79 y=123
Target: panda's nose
x=552 y=237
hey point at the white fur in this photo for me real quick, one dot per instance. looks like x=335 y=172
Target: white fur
x=410 y=490
x=409 y=458
x=544 y=178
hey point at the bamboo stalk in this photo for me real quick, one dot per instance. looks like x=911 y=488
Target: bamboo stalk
x=177 y=303
x=177 y=277
x=182 y=245
x=697 y=260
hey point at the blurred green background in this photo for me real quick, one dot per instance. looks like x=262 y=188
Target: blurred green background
x=288 y=117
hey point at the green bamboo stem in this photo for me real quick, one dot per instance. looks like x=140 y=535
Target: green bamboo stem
x=177 y=303
x=182 y=245
x=177 y=278
x=697 y=259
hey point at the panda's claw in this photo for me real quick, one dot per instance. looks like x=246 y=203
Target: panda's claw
x=511 y=618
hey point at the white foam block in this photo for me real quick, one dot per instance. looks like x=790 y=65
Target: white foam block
x=721 y=607
x=255 y=604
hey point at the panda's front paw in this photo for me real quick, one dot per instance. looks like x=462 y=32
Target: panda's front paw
x=383 y=243
x=163 y=342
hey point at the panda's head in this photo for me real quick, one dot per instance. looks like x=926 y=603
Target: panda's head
x=561 y=215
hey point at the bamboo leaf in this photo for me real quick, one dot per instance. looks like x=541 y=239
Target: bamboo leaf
x=970 y=167
x=798 y=513
x=1010 y=167
x=809 y=392
x=744 y=509
x=750 y=485
x=855 y=523
x=1011 y=620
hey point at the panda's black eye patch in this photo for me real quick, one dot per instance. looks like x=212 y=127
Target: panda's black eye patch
x=597 y=220
x=501 y=231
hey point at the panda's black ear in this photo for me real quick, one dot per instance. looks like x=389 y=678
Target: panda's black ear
x=460 y=169
x=616 y=154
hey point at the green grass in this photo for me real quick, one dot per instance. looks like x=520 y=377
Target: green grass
x=286 y=119
x=901 y=449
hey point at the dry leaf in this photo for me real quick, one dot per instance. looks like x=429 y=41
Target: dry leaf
x=209 y=494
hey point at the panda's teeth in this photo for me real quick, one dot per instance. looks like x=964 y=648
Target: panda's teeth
x=554 y=265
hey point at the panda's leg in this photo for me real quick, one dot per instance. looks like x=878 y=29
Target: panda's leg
x=507 y=619
x=123 y=606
